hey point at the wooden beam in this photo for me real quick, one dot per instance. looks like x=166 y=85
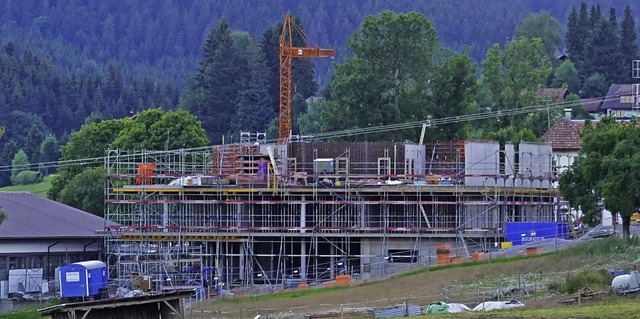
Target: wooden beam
x=86 y=314
x=179 y=314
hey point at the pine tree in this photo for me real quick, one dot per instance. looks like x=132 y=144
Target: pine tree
x=628 y=43
x=216 y=84
x=603 y=55
x=302 y=69
x=270 y=50
x=617 y=71
x=574 y=43
x=253 y=112
x=576 y=39
x=595 y=16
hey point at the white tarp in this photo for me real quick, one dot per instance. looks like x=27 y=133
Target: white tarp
x=25 y=280
x=498 y=305
x=457 y=308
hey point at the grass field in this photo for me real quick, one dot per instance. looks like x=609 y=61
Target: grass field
x=39 y=189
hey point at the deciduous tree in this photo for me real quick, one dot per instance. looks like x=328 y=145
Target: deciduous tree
x=20 y=163
x=387 y=79
x=88 y=144
x=566 y=74
x=515 y=75
x=154 y=129
x=542 y=25
x=607 y=173
x=85 y=191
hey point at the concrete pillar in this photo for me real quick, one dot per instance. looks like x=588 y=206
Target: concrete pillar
x=365 y=251
x=332 y=263
x=244 y=268
x=238 y=215
x=303 y=215
x=303 y=259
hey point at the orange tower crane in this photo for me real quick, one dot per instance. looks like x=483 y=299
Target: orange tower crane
x=287 y=53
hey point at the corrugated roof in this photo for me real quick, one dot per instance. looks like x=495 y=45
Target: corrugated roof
x=31 y=216
x=565 y=135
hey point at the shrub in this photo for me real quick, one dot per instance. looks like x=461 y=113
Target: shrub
x=599 y=279
x=26 y=177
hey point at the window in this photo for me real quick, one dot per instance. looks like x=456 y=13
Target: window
x=403 y=256
x=384 y=166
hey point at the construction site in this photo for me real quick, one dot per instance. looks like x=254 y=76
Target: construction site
x=248 y=214
x=280 y=215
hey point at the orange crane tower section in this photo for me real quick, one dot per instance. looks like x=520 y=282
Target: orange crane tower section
x=287 y=53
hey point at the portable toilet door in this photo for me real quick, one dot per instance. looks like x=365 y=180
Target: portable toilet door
x=73 y=281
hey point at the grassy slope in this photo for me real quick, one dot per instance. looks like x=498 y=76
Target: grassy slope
x=425 y=286
x=39 y=189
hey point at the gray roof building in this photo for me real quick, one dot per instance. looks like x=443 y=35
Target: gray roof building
x=42 y=233
x=618 y=97
x=30 y=216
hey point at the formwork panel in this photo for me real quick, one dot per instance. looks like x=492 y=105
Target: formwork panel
x=482 y=162
x=535 y=165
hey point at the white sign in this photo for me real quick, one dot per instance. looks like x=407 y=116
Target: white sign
x=73 y=276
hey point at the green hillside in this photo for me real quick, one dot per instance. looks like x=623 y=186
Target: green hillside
x=39 y=189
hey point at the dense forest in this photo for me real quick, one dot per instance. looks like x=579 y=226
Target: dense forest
x=163 y=39
x=83 y=76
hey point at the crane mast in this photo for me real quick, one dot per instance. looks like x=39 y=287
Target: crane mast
x=287 y=53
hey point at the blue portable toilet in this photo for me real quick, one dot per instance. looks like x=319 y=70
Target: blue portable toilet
x=83 y=279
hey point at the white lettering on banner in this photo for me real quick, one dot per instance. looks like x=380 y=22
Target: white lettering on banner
x=530 y=239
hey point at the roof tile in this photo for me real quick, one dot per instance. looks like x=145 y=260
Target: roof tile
x=565 y=135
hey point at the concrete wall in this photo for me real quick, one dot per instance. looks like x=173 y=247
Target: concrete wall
x=481 y=160
x=381 y=266
x=480 y=216
x=415 y=153
x=535 y=165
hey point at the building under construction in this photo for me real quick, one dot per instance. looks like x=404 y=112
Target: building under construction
x=250 y=214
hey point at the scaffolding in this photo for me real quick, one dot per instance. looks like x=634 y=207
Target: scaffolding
x=240 y=215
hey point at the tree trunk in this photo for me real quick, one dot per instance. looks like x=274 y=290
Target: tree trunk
x=626 y=221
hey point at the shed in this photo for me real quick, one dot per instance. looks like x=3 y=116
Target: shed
x=167 y=305
x=83 y=279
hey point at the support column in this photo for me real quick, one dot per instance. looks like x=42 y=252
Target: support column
x=332 y=261
x=303 y=215
x=244 y=268
x=238 y=221
x=303 y=242
x=303 y=259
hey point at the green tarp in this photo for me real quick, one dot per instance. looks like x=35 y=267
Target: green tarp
x=437 y=307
